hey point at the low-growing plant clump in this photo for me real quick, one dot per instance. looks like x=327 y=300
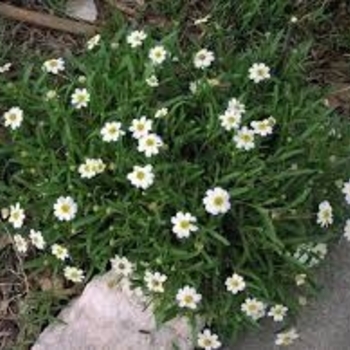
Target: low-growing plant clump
x=209 y=177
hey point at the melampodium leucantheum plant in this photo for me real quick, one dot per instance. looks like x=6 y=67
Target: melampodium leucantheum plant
x=209 y=177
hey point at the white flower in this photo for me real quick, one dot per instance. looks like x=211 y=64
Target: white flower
x=59 y=252
x=154 y=281
x=5 y=67
x=50 y=95
x=346 y=191
x=254 y=308
x=201 y=20
x=183 y=224
x=93 y=42
x=203 y=59
x=80 y=98
x=17 y=216
x=20 y=243
x=140 y=127
x=187 y=297
x=54 y=66
x=262 y=127
x=194 y=86
x=278 y=312
x=136 y=38
x=235 y=106
x=230 y=120
x=294 y=19
x=325 y=214
x=259 y=72
x=217 y=201
x=244 y=139
x=122 y=266
x=5 y=213
x=13 y=118
x=91 y=168
x=208 y=340
x=310 y=254
x=82 y=79
x=37 y=239
x=347 y=230
x=150 y=144
x=65 y=209
x=152 y=81
x=235 y=284
x=161 y=113
x=287 y=337
x=300 y=279
x=157 y=55
x=112 y=131
x=141 y=177
x=74 y=274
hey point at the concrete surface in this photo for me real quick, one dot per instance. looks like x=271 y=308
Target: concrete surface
x=325 y=322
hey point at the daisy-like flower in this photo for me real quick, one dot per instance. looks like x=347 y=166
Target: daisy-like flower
x=217 y=201
x=20 y=243
x=187 y=297
x=194 y=86
x=73 y=274
x=157 y=55
x=161 y=113
x=347 y=230
x=111 y=132
x=54 y=66
x=152 y=81
x=17 y=216
x=203 y=59
x=13 y=118
x=50 y=95
x=91 y=168
x=259 y=72
x=183 y=224
x=346 y=191
x=254 y=308
x=230 y=120
x=37 y=239
x=80 y=98
x=59 y=252
x=300 y=279
x=286 y=338
x=5 y=67
x=262 y=127
x=122 y=266
x=141 y=177
x=311 y=254
x=136 y=38
x=140 y=127
x=65 y=209
x=154 y=281
x=235 y=106
x=208 y=341
x=325 y=214
x=93 y=42
x=278 y=312
x=235 y=284
x=244 y=139
x=150 y=144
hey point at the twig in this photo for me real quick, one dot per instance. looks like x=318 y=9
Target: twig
x=46 y=20
x=123 y=8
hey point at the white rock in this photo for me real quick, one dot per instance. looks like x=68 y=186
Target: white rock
x=111 y=316
x=82 y=9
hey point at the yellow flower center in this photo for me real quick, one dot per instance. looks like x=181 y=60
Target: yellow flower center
x=13 y=117
x=218 y=201
x=150 y=142
x=65 y=208
x=184 y=224
x=188 y=299
x=207 y=342
x=140 y=175
x=246 y=138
